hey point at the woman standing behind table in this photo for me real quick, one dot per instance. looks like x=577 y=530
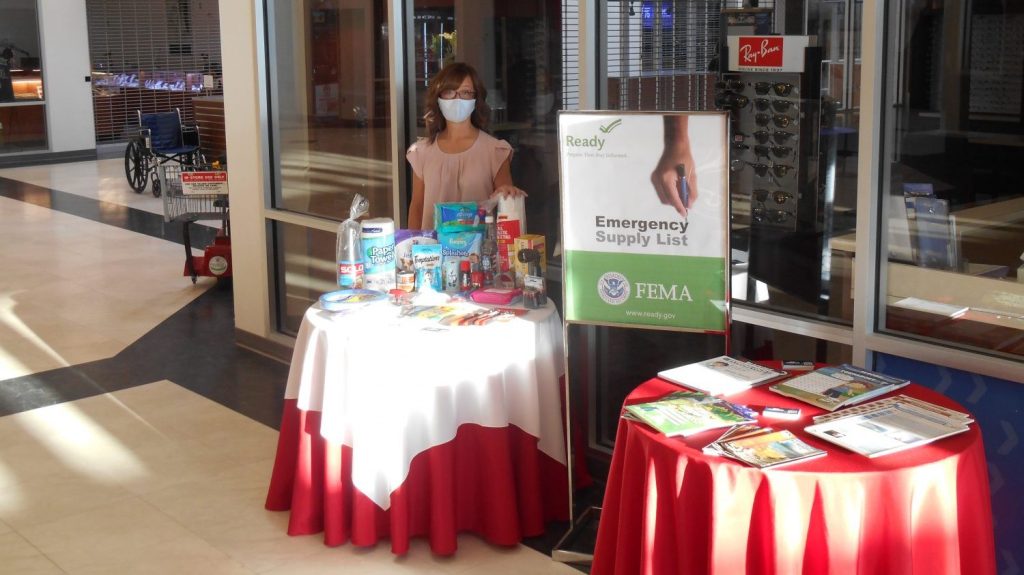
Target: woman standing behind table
x=458 y=161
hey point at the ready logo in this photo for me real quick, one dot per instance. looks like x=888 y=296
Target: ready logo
x=595 y=141
x=761 y=51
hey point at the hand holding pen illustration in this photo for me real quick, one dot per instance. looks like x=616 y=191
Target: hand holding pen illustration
x=674 y=177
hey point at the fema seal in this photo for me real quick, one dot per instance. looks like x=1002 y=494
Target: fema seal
x=613 y=288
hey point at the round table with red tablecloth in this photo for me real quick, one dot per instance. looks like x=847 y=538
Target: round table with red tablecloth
x=396 y=427
x=669 y=509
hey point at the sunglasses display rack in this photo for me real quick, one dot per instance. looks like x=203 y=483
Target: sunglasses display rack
x=770 y=150
x=779 y=181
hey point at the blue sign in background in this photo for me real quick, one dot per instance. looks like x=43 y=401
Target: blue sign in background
x=996 y=405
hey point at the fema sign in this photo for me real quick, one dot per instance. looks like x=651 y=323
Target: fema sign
x=767 y=53
x=628 y=258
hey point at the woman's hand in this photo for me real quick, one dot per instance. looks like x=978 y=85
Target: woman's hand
x=508 y=191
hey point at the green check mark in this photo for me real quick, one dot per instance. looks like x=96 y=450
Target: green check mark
x=607 y=129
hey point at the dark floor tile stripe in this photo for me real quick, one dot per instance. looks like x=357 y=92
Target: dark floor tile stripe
x=193 y=348
x=108 y=213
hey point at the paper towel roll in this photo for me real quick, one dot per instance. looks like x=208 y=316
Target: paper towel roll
x=378 y=243
x=513 y=208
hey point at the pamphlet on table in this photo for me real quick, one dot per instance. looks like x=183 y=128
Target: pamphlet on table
x=685 y=413
x=889 y=426
x=722 y=375
x=833 y=387
x=762 y=447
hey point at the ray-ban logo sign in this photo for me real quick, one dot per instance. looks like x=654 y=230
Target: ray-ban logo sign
x=760 y=51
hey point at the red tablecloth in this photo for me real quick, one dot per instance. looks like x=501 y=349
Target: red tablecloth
x=670 y=510
x=488 y=480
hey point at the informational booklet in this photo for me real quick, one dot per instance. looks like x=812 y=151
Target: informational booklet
x=891 y=429
x=686 y=413
x=833 y=387
x=722 y=375
x=770 y=449
x=947 y=415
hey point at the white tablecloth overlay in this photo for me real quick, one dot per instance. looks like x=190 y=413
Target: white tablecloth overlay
x=391 y=388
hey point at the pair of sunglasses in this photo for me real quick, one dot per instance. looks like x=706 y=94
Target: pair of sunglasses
x=735 y=85
x=780 y=170
x=780 y=120
x=762 y=105
x=778 y=196
x=780 y=88
x=760 y=214
x=731 y=100
x=779 y=137
x=764 y=151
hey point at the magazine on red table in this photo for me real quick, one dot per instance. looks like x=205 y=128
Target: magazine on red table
x=833 y=387
x=721 y=375
x=685 y=413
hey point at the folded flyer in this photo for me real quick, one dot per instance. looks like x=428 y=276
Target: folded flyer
x=686 y=413
x=890 y=429
x=722 y=375
x=833 y=387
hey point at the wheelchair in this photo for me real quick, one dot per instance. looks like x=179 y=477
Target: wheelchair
x=161 y=138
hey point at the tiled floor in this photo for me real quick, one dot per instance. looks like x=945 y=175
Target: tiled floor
x=135 y=436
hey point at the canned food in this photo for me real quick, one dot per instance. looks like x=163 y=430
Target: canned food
x=406 y=281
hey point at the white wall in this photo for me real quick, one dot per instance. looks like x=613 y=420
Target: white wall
x=245 y=167
x=65 y=46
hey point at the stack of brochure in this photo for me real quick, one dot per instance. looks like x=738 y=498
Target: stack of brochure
x=833 y=387
x=762 y=446
x=889 y=425
x=686 y=413
x=721 y=375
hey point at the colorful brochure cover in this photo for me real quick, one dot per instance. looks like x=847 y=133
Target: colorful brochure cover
x=770 y=449
x=833 y=387
x=687 y=413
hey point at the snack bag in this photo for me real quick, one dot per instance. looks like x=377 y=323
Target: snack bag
x=404 y=241
x=426 y=260
x=457 y=247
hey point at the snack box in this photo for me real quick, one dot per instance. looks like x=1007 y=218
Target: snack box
x=500 y=296
x=532 y=242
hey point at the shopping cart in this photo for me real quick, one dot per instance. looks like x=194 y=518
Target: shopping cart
x=191 y=194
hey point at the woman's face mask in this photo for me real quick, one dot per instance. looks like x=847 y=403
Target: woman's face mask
x=456 y=110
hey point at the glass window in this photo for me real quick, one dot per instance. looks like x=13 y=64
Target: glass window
x=517 y=48
x=330 y=98
x=793 y=183
x=954 y=144
x=21 y=76
x=305 y=270
x=22 y=117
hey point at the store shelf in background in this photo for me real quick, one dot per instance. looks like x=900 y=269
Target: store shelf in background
x=22 y=128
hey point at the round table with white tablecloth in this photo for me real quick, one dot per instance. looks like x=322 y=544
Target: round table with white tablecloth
x=397 y=427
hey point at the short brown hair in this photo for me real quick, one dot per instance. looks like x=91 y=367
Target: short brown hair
x=450 y=78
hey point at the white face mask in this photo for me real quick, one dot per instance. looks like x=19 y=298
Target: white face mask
x=456 y=110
